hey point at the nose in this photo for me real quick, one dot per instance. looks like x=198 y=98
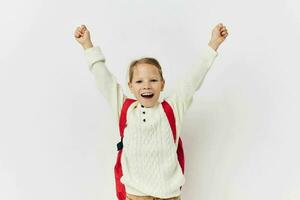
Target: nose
x=146 y=85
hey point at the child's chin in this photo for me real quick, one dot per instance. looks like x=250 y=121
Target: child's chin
x=148 y=102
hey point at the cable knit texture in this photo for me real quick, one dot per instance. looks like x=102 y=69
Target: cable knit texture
x=149 y=158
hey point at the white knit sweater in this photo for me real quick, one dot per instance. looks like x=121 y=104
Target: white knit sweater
x=149 y=159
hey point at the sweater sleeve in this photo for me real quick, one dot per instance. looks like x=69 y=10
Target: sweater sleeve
x=105 y=80
x=182 y=96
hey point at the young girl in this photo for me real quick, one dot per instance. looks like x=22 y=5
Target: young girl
x=149 y=161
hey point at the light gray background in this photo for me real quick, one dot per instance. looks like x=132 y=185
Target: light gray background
x=241 y=134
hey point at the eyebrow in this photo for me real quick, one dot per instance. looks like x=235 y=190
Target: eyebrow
x=148 y=79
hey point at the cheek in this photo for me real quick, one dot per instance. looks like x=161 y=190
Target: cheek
x=158 y=87
x=136 y=88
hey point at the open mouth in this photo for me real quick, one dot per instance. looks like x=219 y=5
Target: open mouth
x=147 y=95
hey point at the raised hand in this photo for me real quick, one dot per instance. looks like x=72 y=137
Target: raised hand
x=82 y=36
x=219 y=34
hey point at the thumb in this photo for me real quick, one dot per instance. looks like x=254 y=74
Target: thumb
x=83 y=29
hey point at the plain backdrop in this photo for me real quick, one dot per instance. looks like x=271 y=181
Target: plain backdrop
x=241 y=134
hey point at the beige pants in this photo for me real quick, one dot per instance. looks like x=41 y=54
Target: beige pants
x=133 y=197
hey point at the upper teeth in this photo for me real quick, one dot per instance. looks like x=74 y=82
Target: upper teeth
x=147 y=93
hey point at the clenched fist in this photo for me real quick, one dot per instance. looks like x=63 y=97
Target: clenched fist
x=82 y=36
x=219 y=34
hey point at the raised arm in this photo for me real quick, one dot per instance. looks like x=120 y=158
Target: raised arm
x=105 y=80
x=186 y=88
x=219 y=34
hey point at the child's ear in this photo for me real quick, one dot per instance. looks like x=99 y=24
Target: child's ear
x=162 y=86
x=130 y=86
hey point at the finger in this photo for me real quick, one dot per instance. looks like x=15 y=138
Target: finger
x=223 y=28
x=224 y=33
x=78 y=33
x=82 y=30
x=83 y=27
x=77 y=30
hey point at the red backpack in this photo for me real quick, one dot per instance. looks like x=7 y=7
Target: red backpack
x=120 y=188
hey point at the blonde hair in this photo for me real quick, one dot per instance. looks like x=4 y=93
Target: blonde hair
x=147 y=60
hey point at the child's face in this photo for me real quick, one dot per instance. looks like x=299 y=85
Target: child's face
x=146 y=84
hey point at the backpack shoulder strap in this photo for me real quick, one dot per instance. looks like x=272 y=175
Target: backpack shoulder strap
x=171 y=118
x=180 y=152
x=122 y=120
x=120 y=187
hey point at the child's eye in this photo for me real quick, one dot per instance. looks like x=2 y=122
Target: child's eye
x=138 y=81
x=153 y=80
